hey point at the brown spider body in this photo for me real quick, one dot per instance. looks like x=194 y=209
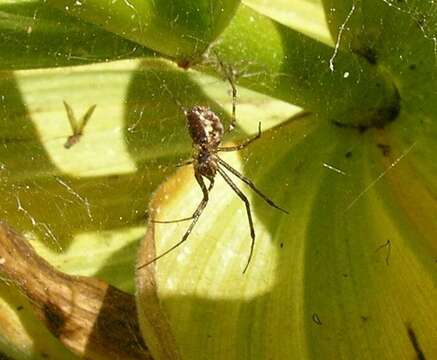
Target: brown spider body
x=205 y=127
x=206 y=131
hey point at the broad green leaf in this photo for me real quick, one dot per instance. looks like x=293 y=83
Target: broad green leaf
x=283 y=63
x=333 y=279
x=398 y=38
x=180 y=29
x=275 y=64
x=33 y=35
x=355 y=275
x=306 y=16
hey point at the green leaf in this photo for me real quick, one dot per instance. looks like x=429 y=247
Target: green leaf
x=33 y=35
x=349 y=273
x=306 y=16
x=331 y=279
x=180 y=29
x=337 y=85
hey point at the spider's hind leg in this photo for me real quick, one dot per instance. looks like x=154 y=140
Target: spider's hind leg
x=249 y=213
x=211 y=180
x=195 y=217
x=250 y=184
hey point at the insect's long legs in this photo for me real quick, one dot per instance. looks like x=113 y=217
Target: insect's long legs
x=243 y=144
x=250 y=184
x=249 y=214
x=195 y=217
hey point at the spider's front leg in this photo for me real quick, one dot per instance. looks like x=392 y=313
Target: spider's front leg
x=243 y=144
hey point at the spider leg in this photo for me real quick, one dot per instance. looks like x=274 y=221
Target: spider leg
x=249 y=214
x=185 y=163
x=243 y=144
x=172 y=221
x=211 y=183
x=195 y=217
x=187 y=218
x=251 y=184
x=229 y=76
x=234 y=102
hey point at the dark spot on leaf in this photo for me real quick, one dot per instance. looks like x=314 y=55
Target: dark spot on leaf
x=413 y=339
x=345 y=275
x=4 y=357
x=385 y=149
x=348 y=154
x=412 y=67
x=369 y=54
x=20 y=307
x=364 y=318
x=389 y=113
x=361 y=128
x=184 y=64
x=281 y=245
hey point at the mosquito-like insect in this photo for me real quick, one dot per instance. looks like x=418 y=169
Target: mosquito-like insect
x=206 y=131
x=76 y=126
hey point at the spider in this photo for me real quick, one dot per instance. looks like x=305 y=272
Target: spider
x=77 y=127
x=206 y=131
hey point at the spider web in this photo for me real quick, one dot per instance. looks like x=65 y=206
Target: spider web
x=137 y=151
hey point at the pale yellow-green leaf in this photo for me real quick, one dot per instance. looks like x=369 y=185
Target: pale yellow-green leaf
x=349 y=273
x=306 y=16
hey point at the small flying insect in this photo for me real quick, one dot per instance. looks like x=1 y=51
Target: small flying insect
x=76 y=126
x=206 y=131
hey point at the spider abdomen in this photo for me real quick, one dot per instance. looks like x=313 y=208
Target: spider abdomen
x=204 y=126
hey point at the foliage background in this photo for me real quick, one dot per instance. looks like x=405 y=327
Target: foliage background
x=349 y=274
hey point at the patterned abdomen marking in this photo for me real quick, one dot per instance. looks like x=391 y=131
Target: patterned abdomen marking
x=204 y=126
